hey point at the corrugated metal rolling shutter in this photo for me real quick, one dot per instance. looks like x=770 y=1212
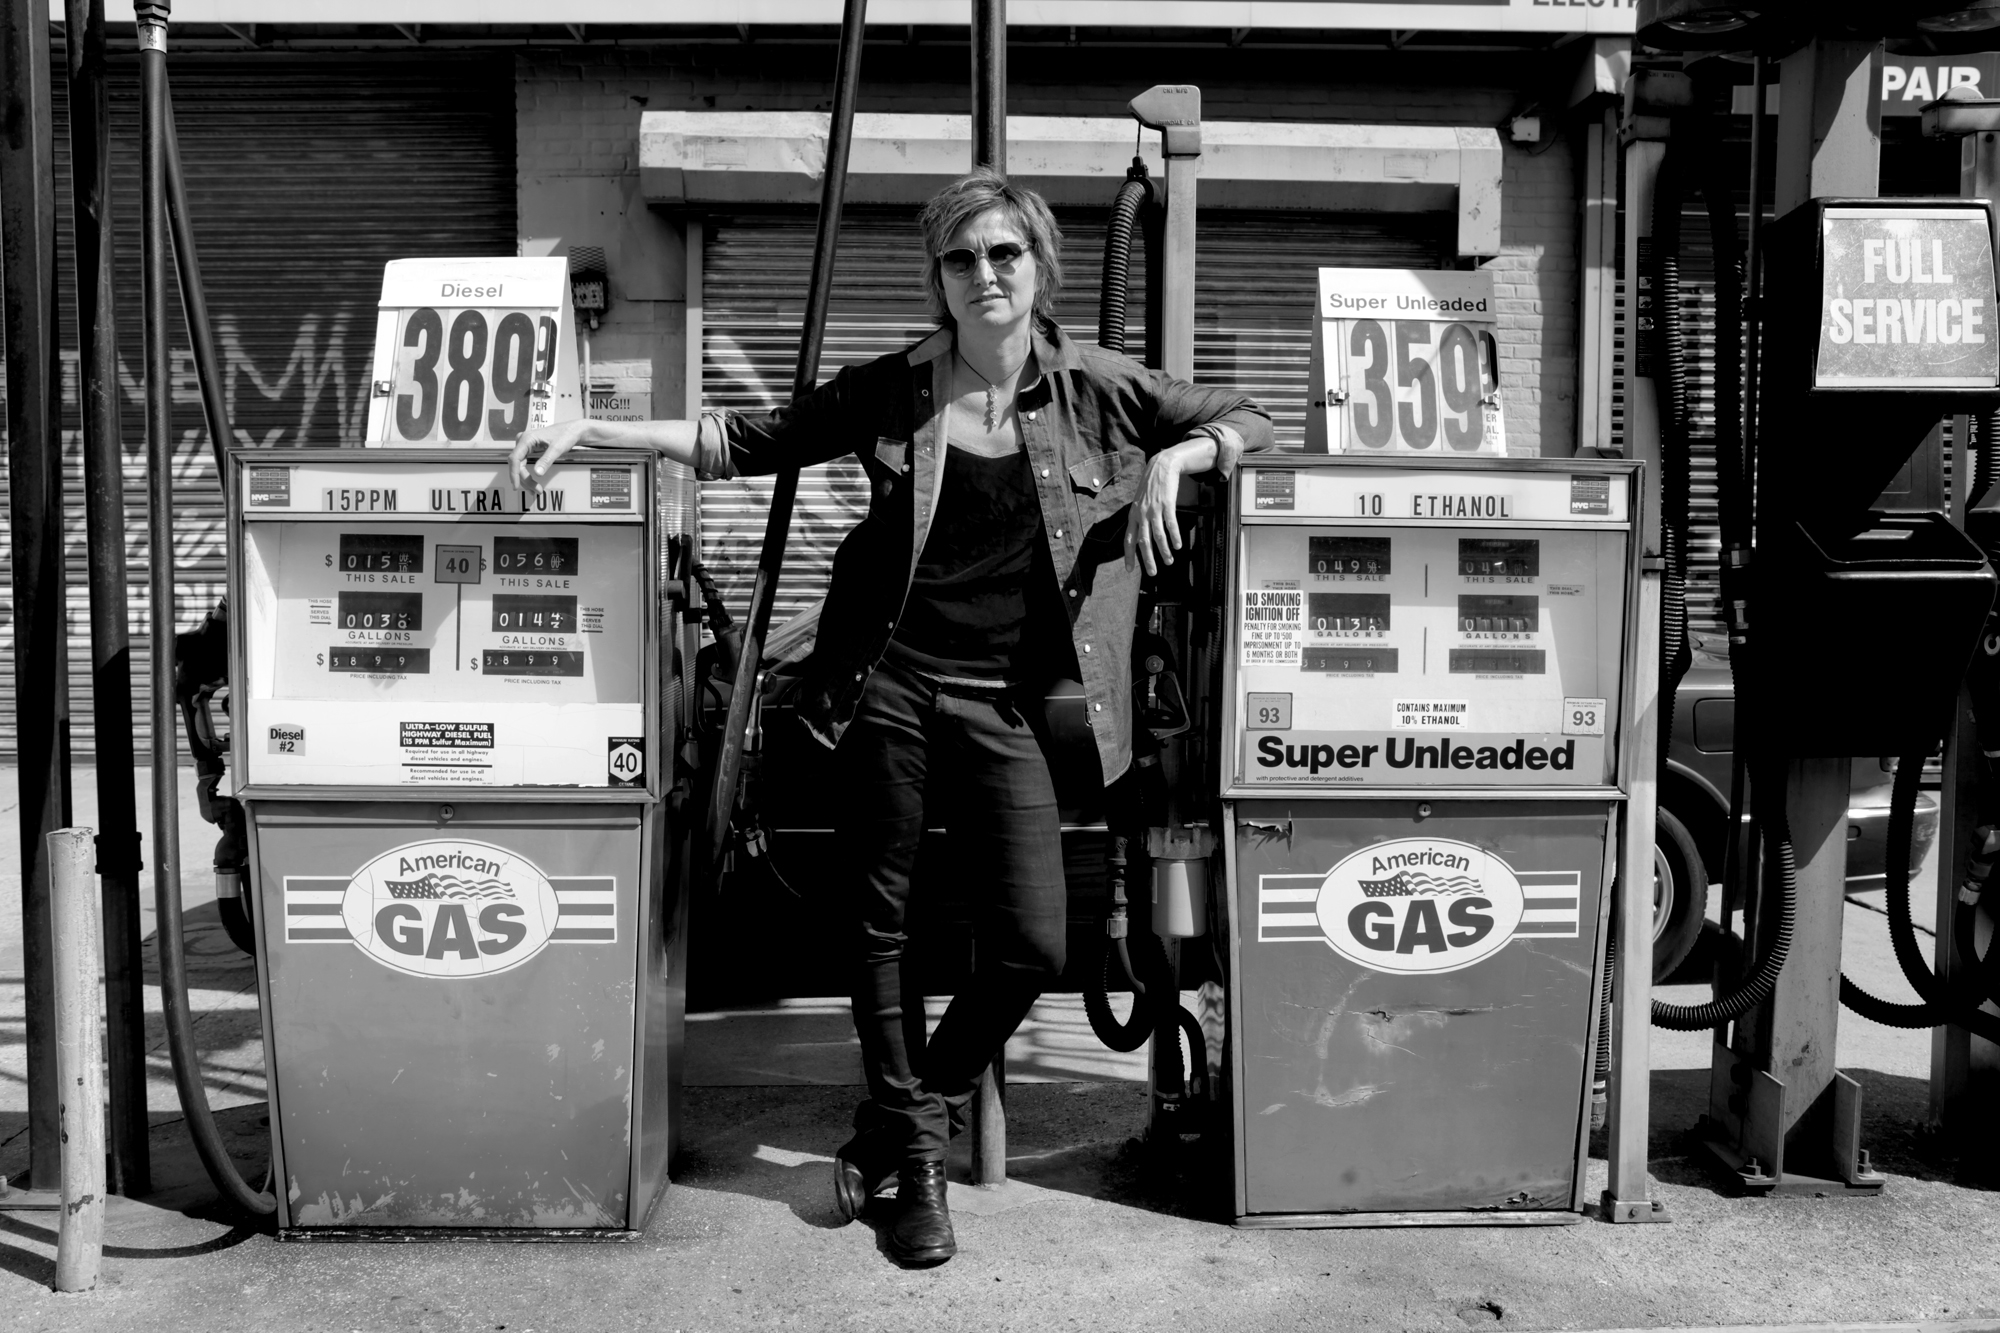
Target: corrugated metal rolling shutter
x=1253 y=303
x=304 y=177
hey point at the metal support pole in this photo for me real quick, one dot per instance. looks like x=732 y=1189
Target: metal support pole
x=118 y=861
x=1628 y=1196
x=989 y=149
x=79 y=1009
x=1799 y=1111
x=34 y=444
x=989 y=84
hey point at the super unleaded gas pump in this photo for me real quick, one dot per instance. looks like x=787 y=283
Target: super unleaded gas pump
x=455 y=710
x=1425 y=747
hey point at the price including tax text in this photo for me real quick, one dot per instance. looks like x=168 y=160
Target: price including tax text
x=468 y=375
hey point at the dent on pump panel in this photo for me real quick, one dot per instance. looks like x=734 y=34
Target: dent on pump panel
x=1403 y=629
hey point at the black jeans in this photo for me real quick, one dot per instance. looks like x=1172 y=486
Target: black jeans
x=974 y=755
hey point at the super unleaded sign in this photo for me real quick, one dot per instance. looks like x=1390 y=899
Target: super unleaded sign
x=1907 y=300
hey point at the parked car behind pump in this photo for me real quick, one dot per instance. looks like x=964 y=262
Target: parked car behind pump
x=1694 y=809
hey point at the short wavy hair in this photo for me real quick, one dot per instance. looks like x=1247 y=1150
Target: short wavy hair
x=980 y=191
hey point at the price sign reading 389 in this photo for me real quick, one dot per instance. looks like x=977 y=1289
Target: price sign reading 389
x=467 y=375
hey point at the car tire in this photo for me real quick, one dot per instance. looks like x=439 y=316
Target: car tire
x=1680 y=894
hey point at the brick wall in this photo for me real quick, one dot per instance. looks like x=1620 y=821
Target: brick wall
x=577 y=137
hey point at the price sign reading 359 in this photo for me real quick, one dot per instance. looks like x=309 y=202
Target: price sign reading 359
x=468 y=375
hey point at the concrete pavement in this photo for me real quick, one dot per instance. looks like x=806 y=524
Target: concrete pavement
x=1092 y=1232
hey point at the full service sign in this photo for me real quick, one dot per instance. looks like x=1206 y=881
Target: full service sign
x=1404 y=362
x=1906 y=299
x=1419 y=906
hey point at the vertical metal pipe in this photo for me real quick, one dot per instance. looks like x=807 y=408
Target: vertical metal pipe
x=110 y=633
x=79 y=1058
x=156 y=255
x=778 y=526
x=989 y=84
x=34 y=475
x=194 y=301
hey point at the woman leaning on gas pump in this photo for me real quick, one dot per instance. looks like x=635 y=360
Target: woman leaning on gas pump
x=1020 y=483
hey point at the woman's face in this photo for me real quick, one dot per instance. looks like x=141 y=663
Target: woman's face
x=985 y=296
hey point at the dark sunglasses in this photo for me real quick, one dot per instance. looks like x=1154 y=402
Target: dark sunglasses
x=1003 y=257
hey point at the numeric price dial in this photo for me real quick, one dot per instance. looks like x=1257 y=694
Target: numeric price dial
x=467 y=375
x=517 y=662
x=1347 y=555
x=380 y=611
x=1481 y=613
x=405 y=661
x=380 y=553
x=1500 y=557
x=535 y=555
x=515 y=614
x=1346 y=612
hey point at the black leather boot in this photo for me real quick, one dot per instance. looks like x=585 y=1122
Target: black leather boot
x=921 y=1234
x=862 y=1166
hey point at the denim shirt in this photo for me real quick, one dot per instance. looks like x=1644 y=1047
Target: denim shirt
x=1089 y=423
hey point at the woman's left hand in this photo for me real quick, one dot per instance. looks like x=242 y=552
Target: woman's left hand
x=1153 y=528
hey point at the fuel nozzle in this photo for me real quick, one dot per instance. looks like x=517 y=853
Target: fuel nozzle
x=1979 y=868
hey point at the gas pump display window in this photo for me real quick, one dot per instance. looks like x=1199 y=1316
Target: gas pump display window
x=458 y=633
x=1495 y=620
x=1350 y=557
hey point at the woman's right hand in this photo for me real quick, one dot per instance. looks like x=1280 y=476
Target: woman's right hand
x=539 y=448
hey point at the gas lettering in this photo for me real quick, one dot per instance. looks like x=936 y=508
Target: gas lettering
x=1419 y=905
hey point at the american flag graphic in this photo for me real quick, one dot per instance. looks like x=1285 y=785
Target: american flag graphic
x=1409 y=883
x=436 y=885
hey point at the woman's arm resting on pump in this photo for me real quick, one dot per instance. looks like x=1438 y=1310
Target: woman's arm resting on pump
x=1153 y=529
x=539 y=449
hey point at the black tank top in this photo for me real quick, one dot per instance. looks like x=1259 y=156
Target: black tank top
x=984 y=604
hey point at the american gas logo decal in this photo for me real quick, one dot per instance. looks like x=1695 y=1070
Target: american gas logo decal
x=450 y=908
x=1419 y=905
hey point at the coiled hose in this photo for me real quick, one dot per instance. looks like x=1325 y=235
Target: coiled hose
x=1131 y=1033
x=1111 y=302
x=1986 y=456
x=1937 y=1008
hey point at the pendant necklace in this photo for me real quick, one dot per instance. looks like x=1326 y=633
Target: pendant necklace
x=992 y=399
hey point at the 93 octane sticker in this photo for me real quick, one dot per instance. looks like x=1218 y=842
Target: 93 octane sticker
x=1583 y=717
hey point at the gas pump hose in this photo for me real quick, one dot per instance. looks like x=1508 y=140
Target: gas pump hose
x=1938 y=1008
x=1111 y=301
x=1675 y=485
x=155 y=160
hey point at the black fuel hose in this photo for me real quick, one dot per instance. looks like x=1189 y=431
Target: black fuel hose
x=1111 y=300
x=1115 y=963
x=1986 y=456
x=1764 y=980
x=155 y=165
x=1937 y=1008
x=1675 y=442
